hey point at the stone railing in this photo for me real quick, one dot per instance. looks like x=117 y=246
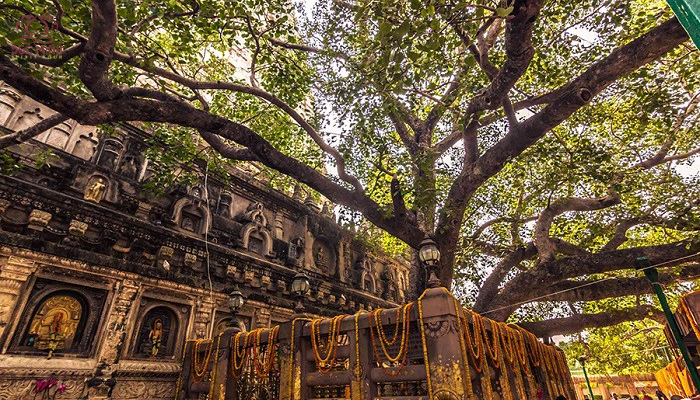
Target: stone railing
x=429 y=349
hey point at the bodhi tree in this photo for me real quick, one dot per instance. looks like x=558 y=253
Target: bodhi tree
x=538 y=143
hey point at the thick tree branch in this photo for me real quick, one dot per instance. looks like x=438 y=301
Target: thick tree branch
x=258 y=92
x=615 y=287
x=545 y=246
x=578 y=322
x=489 y=289
x=620 y=235
x=183 y=114
x=99 y=51
x=32 y=131
x=62 y=58
x=549 y=273
x=572 y=97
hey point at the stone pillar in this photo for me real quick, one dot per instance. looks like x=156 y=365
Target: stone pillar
x=125 y=293
x=203 y=316
x=262 y=318
x=445 y=366
x=100 y=384
x=13 y=275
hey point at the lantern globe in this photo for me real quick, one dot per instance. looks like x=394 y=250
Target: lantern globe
x=300 y=284
x=236 y=299
x=428 y=252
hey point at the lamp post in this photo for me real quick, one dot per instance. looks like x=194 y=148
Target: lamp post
x=652 y=274
x=429 y=255
x=582 y=360
x=300 y=287
x=235 y=302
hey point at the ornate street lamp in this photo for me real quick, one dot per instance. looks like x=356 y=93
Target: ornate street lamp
x=429 y=255
x=235 y=302
x=582 y=360
x=300 y=287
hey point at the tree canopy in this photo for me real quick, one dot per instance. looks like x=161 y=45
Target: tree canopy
x=540 y=144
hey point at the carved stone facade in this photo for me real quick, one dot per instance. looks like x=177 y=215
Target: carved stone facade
x=109 y=281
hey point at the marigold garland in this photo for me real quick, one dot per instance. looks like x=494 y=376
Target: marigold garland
x=199 y=369
x=403 y=347
x=492 y=346
x=236 y=355
x=325 y=364
x=474 y=340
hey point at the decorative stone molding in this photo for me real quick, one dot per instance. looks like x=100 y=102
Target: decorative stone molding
x=39 y=219
x=4 y=205
x=136 y=367
x=249 y=276
x=24 y=388
x=204 y=314
x=190 y=259
x=77 y=228
x=144 y=389
x=165 y=252
x=13 y=275
x=126 y=292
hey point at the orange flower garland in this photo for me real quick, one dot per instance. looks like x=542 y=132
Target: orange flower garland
x=325 y=364
x=403 y=347
x=199 y=369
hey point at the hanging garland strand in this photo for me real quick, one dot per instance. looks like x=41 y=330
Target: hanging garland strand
x=400 y=358
x=199 y=368
x=475 y=345
x=325 y=364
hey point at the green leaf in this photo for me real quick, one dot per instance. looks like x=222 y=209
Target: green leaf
x=504 y=12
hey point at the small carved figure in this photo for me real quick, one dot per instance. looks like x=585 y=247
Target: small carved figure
x=95 y=192
x=156 y=337
x=321 y=257
x=188 y=224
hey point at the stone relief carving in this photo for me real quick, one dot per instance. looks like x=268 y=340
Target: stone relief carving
x=13 y=274
x=146 y=389
x=25 y=388
x=39 y=219
x=116 y=324
x=191 y=215
x=295 y=251
x=324 y=256
x=95 y=189
x=255 y=234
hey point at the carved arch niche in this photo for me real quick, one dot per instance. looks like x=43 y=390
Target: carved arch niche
x=365 y=275
x=255 y=234
x=325 y=257
x=29 y=117
x=191 y=215
x=159 y=330
x=84 y=142
x=59 y=316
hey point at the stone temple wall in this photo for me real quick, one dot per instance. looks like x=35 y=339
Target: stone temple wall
x=101 y=284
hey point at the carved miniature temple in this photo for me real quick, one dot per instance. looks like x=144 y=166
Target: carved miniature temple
x=101 y=284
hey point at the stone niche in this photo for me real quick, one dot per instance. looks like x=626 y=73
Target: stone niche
x=60 y=317
x=324 y=256
x=158 y=331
